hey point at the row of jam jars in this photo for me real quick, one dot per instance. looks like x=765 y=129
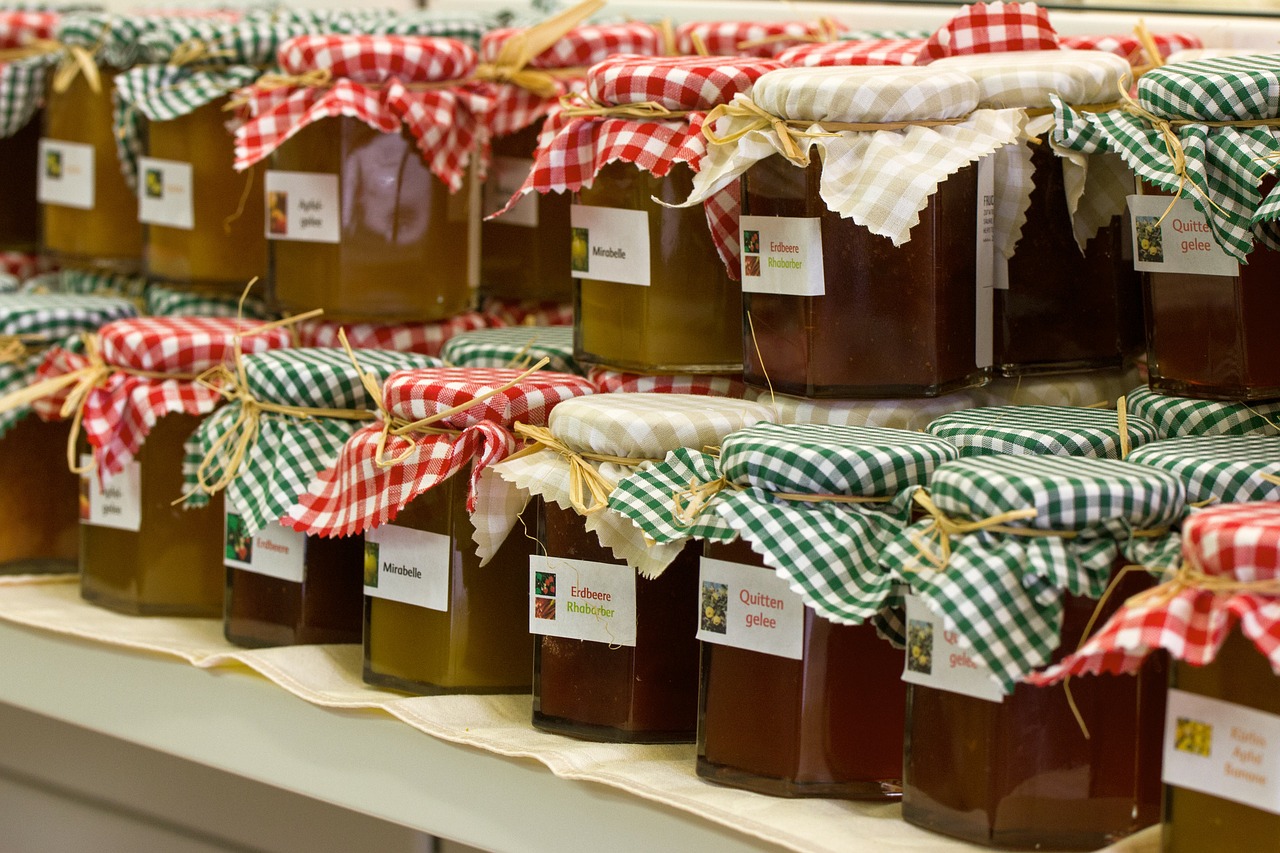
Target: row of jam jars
x=377 y=217
x=446 y=556
x=1005 y=572
x=23 y=36
x=799 y=695
x=616 y=654
x=1175 y=417
x=38 y=495
x=292 y=415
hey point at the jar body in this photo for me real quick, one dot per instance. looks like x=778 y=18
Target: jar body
x=404 y=249
x=38 y=498
x=19 y=215
x=108 y=235
x=827 y=725
x=171 y=565
x=646 y=693
x=1020 y=773
x=689 y=318
x=227 y=244
x=892 y=322
x=481 y=642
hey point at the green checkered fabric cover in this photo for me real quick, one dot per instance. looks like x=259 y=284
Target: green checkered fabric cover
x=513 y=346
x=164 y=301
x=290 y=451
x=465 y=27
x=1040 y=431
x=1181 y=416
x=86 y=283
x=881 y=35
x=1218 y=468
x=22 y=85
x=1002 y=592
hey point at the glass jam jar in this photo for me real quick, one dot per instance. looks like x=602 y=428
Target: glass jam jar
x=38 y=499
x=19 y=215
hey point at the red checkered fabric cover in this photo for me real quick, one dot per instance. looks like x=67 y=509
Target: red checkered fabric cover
x=18 y=28
x=373 y=81
x=422 y=338
x=357 y=494
x=722 y=38
x=1237 y=541
x=23 y=265
x=709 y=385
x=1128 y=47
x=991 y=28
x=841 y=53
x=121 y=410
x=503 y=312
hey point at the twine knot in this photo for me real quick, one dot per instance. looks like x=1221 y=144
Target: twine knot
x=589 y=489
x=578 y=105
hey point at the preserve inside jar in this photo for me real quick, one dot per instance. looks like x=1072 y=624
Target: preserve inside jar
x=38 y=499
x=481 y=643
x=227 y=245
x=172 y=564
x=404 y=249
x=689 y=318
x=646 y=693
x=893 y=321
x=1020 y=773
x=827 y=725
x=19 y=216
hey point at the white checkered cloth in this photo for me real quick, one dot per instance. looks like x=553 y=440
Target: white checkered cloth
x=632 y=426
x=913 y=414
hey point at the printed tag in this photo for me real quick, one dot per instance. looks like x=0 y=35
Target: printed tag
x=935 y=659
x=783 y=255
x=609 y=244
x=749 y=608
x=582 y=600
x=1182 y=243
x=1222 y=749
x=66 y=174
x=984 y=329
x=117 y=502
x=165 y=197
x=274 y=551
x=409 y=566
x=506 y=176
x=302 y=206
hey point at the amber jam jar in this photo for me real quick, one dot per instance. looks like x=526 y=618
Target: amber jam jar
x=19 y=215
x=405 y=244
x=107 y=234
x=38 y=499
x=689 y=318
x=827 y=725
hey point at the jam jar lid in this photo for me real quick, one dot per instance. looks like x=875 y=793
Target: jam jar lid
x=866 y=94
x=1129 y=47
x=1088 y=389
x=165 y=301
x=326 y=378
x=911 y=414
x=463 y=26
x=581 y=46
x=750 y=38
x=1043 y=431
x=900 y=50
x=1219 y=468
x=115 y=40
x=1030 y=78
x=363 y=58
x=417 y=394
x=609 y=381
x=513 y=346
x=184 y=345
x=1181 y=416
x=675 y=82
x=992 y=28
x=424 y=338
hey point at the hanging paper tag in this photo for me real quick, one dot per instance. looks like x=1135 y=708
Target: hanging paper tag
x=409 y=566
x=782 y=255
x=506 y=176
x=1222 y=749
x=302 y=206
x=275 y=551
x=751 y=608
x=116 y=502
x=984 y=337
x=1181 y=243
x=935 y=659
x=66 y=174
x=609 y=244
x=165 y=195
x=582 y=600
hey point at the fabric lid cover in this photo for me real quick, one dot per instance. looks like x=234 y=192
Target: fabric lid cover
x=513 y=346
x=1219 y=468
x=1129 y=47
x=749 y=38
x=423 y=338
x=1179 y=416
x=1041 y=431
x=912 y=414
x=884 y=51
x=991 y=28
x=165 y=301
x=608 y=381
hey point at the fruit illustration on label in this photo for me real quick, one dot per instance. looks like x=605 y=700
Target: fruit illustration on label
x=579 y=259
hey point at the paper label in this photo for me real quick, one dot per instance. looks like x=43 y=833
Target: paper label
x=749 y=608
x=274 y=551
x=935 y=659
x=1222 y=749
x=116 y=502
x=984 y=329
x=302 y=206
x=506 y=176
x=609 y=244
x=165 y=198
x=66 y=174
x=582 y=600
x=782 y=255
x=409 y=566
x=1182 y=243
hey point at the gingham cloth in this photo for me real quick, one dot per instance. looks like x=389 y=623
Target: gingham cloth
x=911 y=414
x=826 y=551
x=1237 y=541
x=991 y=28
x=422 y=338
x=374 y=79
x=50 y=320
x=121 y=410
x=1002 y=592
x=572 y=150
x=22 y=81
x=735 y=38
x=290 y=451
x=609 y=381
x=22 y=265
x=1129 y=47
x=633 y=426
x=881 y=179
x=164 y=301
x=1218 y=468
x=1040 y=431
x=510 y=312
x=882 y=51
x=19 y=27
x=89 y=283
x=1180 y=416
x=355 y=493
x=1093 y=388
x=513 y=346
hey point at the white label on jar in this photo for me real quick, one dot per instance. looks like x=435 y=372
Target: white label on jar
x=165 y=195
x=609 y=244
x=1222 y=749
x=302 y=206
x=582 y=600
x=984 y=328
x=751 y=608
x=66 y=174
x=409 y=566
x=783 y=255
x=274 y=551
x=115 y=501
x=1181 y=243
x=935 y=659
x=506 y=176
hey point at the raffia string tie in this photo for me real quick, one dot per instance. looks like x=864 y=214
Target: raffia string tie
x=689 y=503
x=511 y=63
x=826 y=33
x=78 y=60
x=36 y=47
x=1122 y=422
x=943 y=528
x=578 y=105
x=15 y=349
x=196 y=50
x=1273 y=479
x=589 y=490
